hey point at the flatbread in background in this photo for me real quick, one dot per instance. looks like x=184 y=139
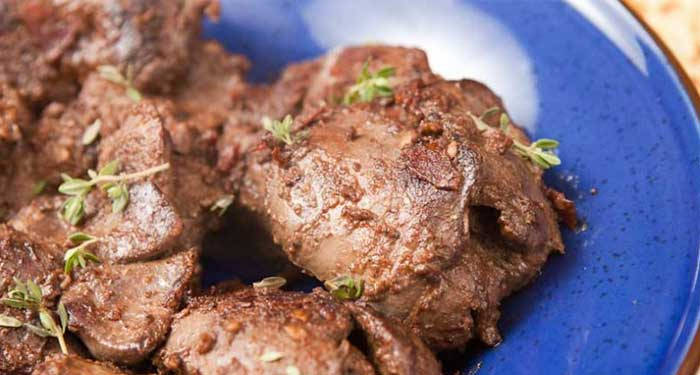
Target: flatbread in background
x=678 y=24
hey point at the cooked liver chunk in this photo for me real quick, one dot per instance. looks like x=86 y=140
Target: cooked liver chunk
x=74 y=365
x=50 y=46
x=123 y=312
x=24 y=259
x=410 y=196
x=234 y=333
x=393 y=349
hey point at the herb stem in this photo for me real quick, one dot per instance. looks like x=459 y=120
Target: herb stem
x=131 y=176
x=59 y=336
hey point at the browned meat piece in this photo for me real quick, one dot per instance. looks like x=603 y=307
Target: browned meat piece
x=32 y=39
x=59 y=133
x=258 y=332
x=15 y=121
x=306 y=86
x=15 y=118
x=123 y=312
x=407 y=194
x=204 y=97
x=48 y=46
x=273 y=332
x=167 y=211
x=393 y=349
x=75 y=365
x=149 y=226
x=340 y=69
x=41 y=223
x=191 y=186
x=21 y=258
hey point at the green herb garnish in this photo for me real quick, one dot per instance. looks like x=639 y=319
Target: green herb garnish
x=222 y=204
x=91 y=132
x=78 y=255
x=28 y=296
x=38 y=187
x=538 y=152
x=112 y=74
x=114 y=185
x=281 y=130
x=370 y=85
x=272 y=282
x=271 y=356
x=345 y=287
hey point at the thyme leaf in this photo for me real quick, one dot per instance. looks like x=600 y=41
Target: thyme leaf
x=78 y=255
x=271 y=356
x=273 y=282
x=38 y=187
x=112 y=74
x=28 y=296
x=538 y=152
x=91 y=132
x=280 y=130
x=114 y=185
x=370 y=85
x=9 y=322
x=345 y=287
x=222 y=204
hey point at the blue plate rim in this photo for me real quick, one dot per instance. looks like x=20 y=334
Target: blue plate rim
x=683 y=355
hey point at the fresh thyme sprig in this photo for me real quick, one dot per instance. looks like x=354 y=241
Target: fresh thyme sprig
x=345 y=287
x=78 y=255
x=538 y=152
x=281 y=130
x=112 y=74
x=28 y=296
x=370 y=85
x=114 y=185
x=222 y=204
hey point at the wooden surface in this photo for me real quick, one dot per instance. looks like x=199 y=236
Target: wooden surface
x=677 y=22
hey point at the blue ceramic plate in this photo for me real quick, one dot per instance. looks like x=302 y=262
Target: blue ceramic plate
x=623 y=298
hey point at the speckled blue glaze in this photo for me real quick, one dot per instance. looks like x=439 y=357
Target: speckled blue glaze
x=622 y=300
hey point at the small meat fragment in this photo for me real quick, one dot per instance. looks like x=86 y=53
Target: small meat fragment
x=564 y=207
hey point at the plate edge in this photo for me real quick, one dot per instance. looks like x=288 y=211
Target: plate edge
x=691 y=353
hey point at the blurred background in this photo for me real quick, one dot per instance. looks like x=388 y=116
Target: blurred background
x=678 y=23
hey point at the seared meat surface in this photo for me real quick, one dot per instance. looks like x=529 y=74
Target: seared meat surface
x=393 y=349
x=74 y=365
x=24 y=259
x=409 y=192
x=262 y=331
x=49 y=46
x=439 y=219
x=123 y=312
